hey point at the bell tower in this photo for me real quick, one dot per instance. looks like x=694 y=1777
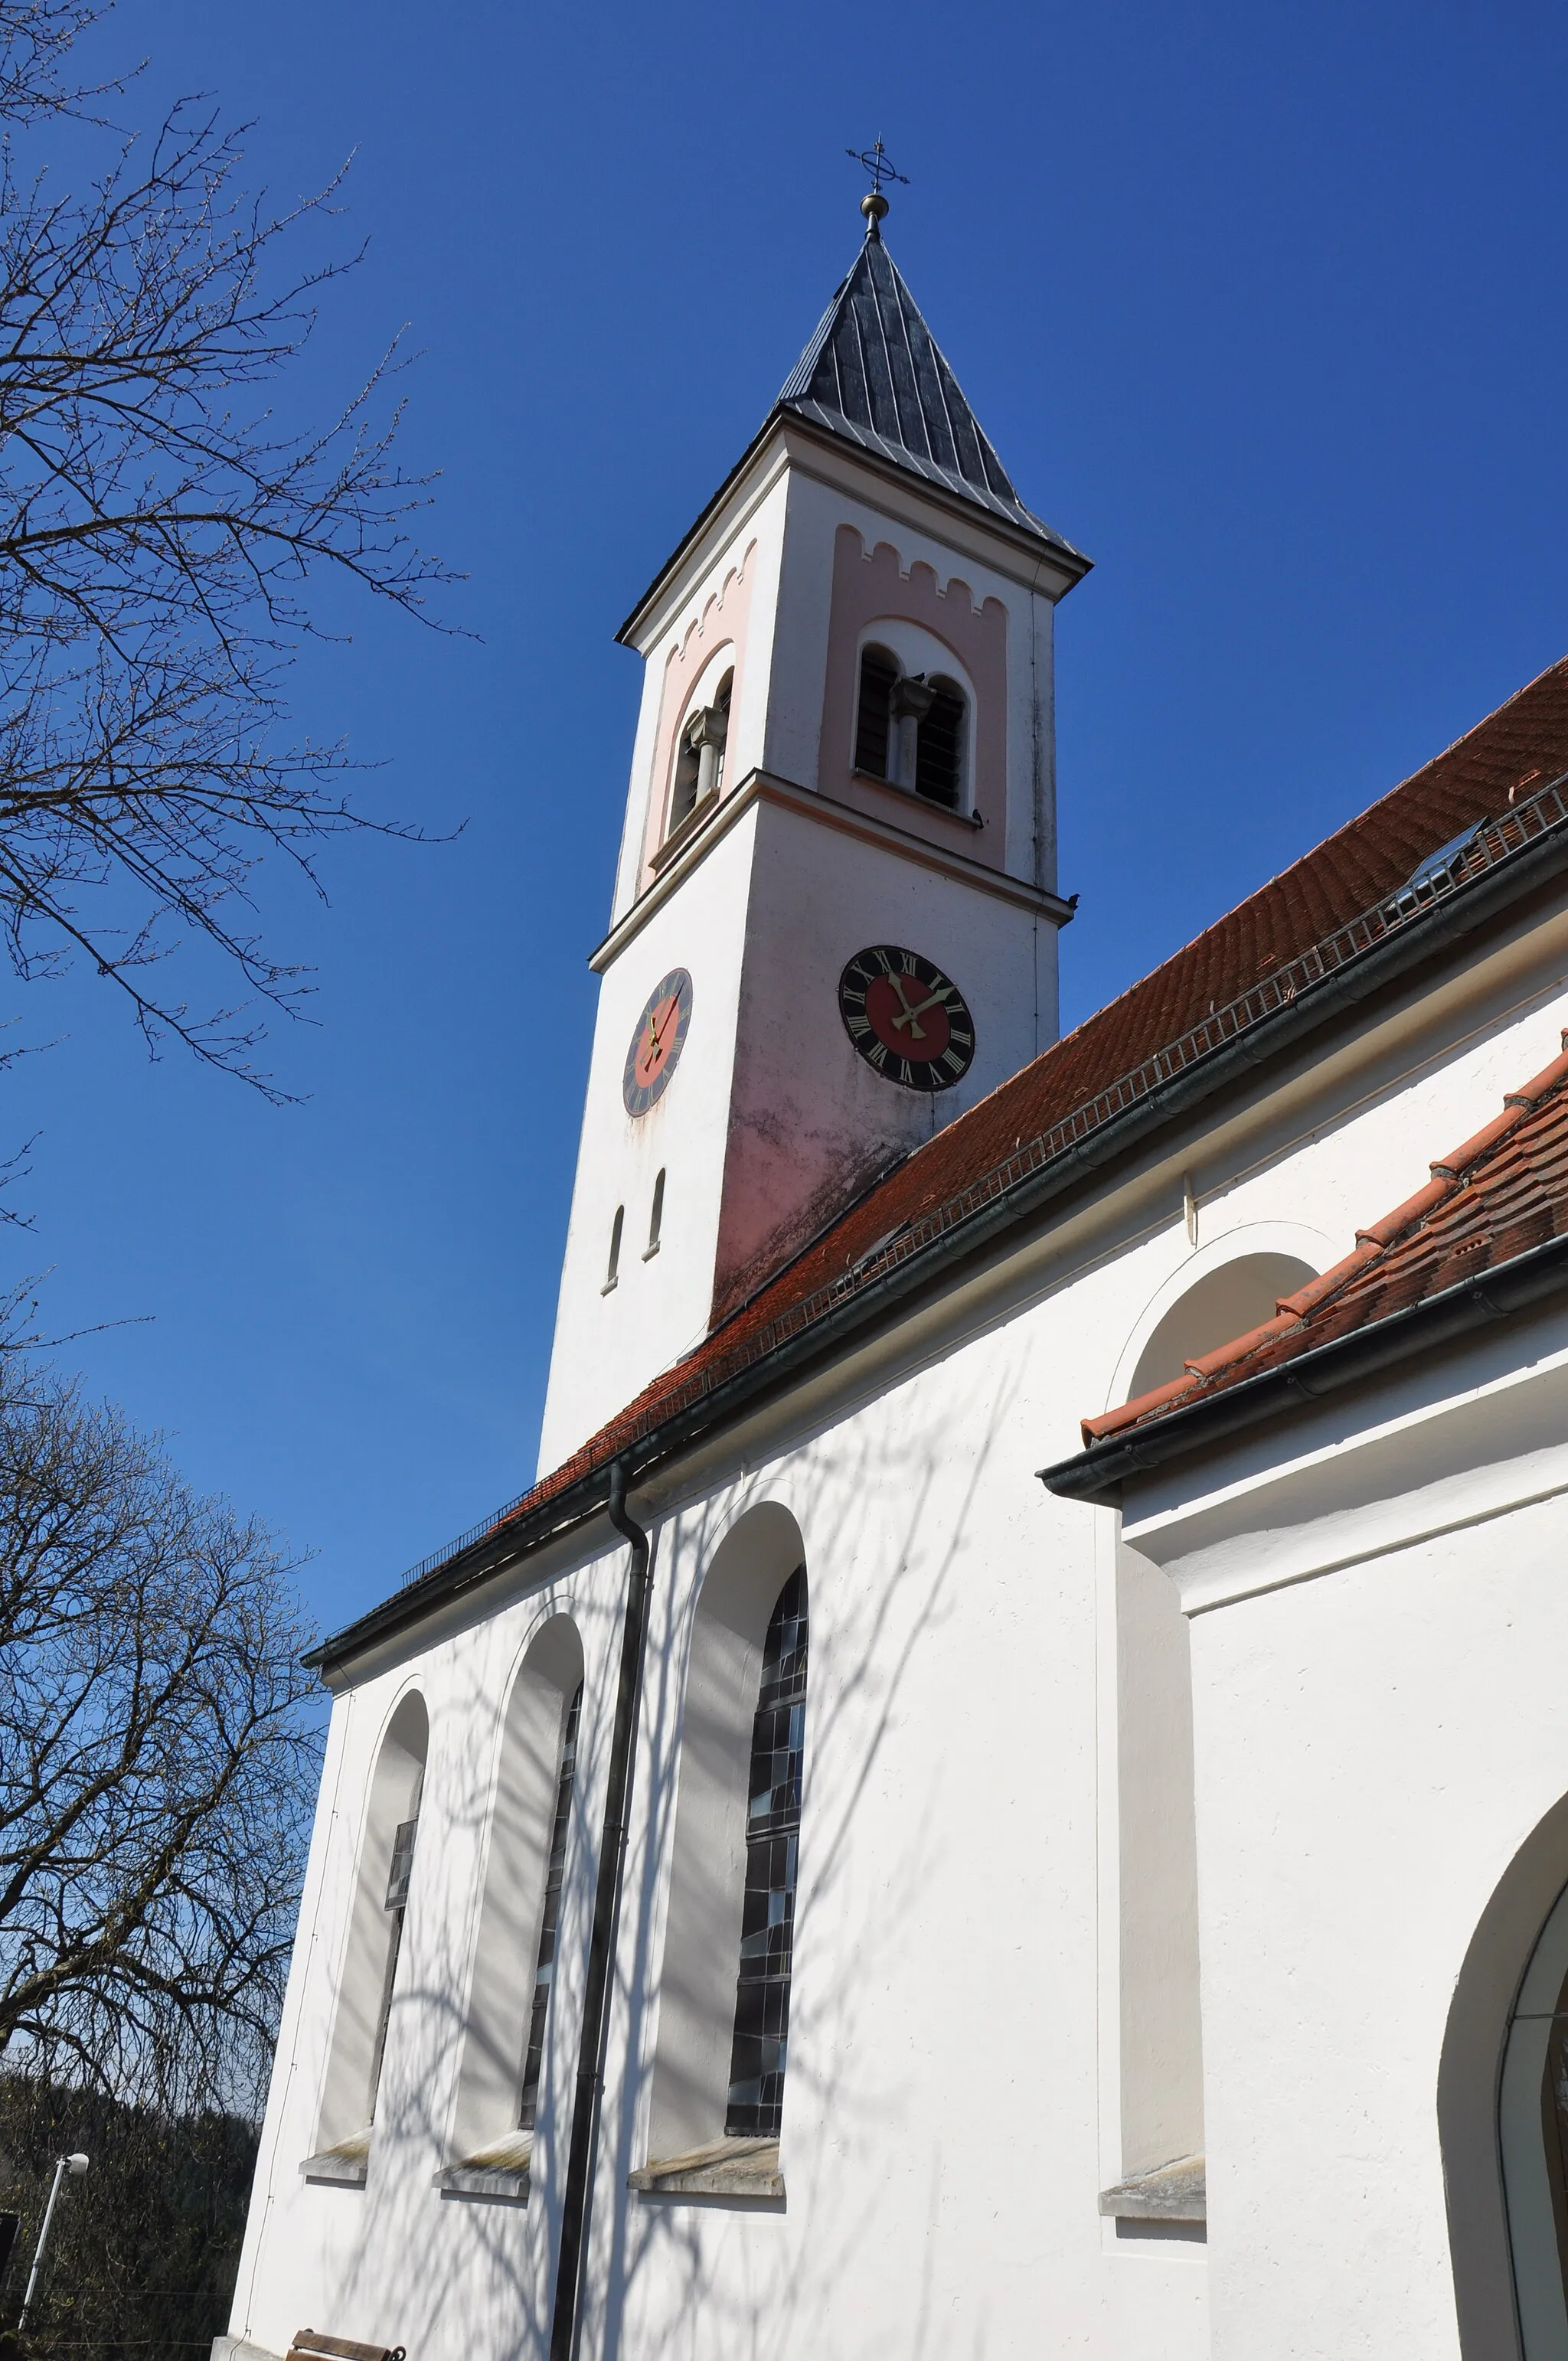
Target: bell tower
x=835 y=912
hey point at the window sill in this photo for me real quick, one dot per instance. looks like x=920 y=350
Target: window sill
x=1176 y=2193
x=309 y=2341
x=346 y=2164
x=499 y=2172
x=684 y=834
x=747 y=2169
x=969 y=820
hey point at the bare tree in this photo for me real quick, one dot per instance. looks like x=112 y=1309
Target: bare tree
x=157 y=1770
x=159 y=536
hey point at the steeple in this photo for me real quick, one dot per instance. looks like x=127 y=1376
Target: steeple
x=840 y=817
x=875 y=374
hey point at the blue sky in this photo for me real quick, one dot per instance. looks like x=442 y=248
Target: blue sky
x=1262 y=307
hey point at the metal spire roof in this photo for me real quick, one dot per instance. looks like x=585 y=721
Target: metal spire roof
x=873 y=374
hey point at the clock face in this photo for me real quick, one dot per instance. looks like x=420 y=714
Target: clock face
x=908 y=1022
x=657 y=1042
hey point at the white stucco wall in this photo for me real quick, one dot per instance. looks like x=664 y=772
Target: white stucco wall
x=1371 y=1744
x=1376 y=1740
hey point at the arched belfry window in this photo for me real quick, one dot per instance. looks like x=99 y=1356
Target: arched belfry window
x=939 y=747
x=700 y=753
x=910 y=729
x=873 y=713
x=760 y=2043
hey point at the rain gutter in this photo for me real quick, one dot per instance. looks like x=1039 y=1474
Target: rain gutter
x=1386 y=962
x=576 y=2201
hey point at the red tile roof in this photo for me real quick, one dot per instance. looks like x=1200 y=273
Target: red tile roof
x=1242 y=963
x=1492 y=1199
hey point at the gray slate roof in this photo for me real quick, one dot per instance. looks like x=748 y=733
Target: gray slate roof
x=873 y=374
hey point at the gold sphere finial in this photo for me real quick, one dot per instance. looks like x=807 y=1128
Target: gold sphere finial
x=874 y=205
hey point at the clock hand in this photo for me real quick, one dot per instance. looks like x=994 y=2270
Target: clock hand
x=909 y=1013
x=936 y=1001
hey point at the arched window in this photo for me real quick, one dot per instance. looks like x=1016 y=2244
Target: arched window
x=760 y=2043
x=373 y=1950
x=719 y=2063
x=1160 y=2038
x=503 y=2076
x=1533 y=2123
x=699 y=755
x=910 y=729
x=550 y=1917
x=1228 y=1302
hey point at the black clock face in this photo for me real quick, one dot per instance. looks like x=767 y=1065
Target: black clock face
x=657 y=1042
x=908 y=1021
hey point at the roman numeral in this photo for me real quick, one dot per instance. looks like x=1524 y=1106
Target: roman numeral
x=859 y=1026
x=953 y=1062
x=878 y=1056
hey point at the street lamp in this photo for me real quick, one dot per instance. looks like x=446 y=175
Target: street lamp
x=74 y=2164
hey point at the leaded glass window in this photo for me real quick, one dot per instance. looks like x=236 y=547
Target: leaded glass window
x=549 y=1919
x=772 y=1841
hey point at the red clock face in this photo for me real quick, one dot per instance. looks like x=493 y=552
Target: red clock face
x=657 y=1041
x=908 y=1020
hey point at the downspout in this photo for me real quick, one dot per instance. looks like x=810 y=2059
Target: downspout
x=576 y=2203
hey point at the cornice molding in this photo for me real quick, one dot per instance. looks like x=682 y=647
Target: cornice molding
x=826 y=811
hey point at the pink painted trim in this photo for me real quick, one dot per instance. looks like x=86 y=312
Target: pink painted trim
x=723 y=620
x=864 y=591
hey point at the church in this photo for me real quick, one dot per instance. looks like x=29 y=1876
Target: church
x=1005 y=1790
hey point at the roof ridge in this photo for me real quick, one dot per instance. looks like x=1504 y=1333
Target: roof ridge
x=1450 y=1175
x=1355 y=892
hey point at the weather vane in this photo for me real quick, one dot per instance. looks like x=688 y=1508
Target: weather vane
x=875 y=161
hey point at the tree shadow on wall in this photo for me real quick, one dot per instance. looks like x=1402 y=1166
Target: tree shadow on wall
x=886 y=1530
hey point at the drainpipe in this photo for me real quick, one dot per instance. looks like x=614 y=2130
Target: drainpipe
x=564 y=2325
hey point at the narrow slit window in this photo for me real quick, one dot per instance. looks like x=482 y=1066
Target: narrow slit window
x=612 y=1269
x=655 y=1219
x=873 y=713
x=938 y=761
x=761 y=2042
x=550 y=1920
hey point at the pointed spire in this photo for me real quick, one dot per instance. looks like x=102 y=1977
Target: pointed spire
x=874 y=375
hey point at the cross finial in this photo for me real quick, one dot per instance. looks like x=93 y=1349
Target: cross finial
x=875 y=161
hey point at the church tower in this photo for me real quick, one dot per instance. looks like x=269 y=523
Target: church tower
x=836 y=911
